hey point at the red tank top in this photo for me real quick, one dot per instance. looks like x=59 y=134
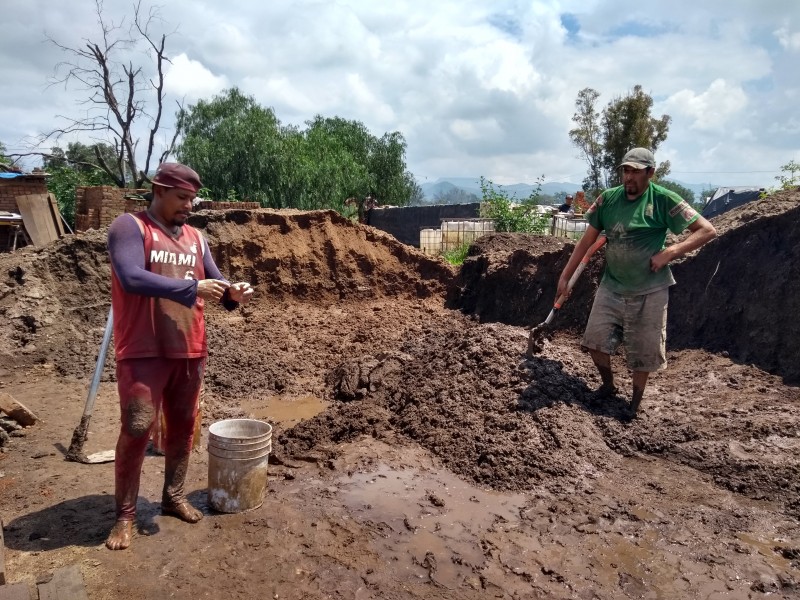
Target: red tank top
x=146 y=326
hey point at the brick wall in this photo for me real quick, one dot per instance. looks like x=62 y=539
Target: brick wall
x=214 y=205
x=9 y=190
x=20 y=186
x=97 y=206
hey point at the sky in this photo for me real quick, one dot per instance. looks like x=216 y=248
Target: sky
x=477 y=88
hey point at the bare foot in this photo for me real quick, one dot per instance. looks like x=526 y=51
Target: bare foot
x=183 y=510
x=120 y=536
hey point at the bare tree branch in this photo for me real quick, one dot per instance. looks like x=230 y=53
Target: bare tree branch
x=118 y=92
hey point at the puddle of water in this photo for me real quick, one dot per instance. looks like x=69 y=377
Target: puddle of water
x=767 y=550
x=434 y=515
x=283 y=411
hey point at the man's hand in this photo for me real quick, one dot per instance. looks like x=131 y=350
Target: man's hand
x=241 y=292
x=660 y=260
x=563 y=283
x=211 y=289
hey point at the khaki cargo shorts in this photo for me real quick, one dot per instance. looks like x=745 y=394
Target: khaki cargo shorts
x=637 y=322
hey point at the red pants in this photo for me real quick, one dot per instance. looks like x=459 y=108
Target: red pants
x=146 y=385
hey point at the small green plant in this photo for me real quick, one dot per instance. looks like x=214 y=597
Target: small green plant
x=786 y=181
x=458 y=255
x=509 y=215
x=793 y=178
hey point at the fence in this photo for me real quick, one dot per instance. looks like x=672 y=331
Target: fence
x=453 y=234
x=568 y=227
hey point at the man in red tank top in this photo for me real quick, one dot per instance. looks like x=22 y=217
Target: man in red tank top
x=161 y=275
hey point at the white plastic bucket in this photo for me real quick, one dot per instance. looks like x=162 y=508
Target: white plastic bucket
x=238 y=453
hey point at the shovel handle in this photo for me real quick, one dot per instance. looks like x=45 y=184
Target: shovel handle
x=599 y=243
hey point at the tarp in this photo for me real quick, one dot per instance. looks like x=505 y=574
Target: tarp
x=10 y=175
x=726 y=198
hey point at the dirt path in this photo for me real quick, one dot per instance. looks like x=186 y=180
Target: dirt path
x=421 y=454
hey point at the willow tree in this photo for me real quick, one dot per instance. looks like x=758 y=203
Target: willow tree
x=242 y=151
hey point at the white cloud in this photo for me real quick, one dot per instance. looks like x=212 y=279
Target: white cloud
x=476 y=87
x=189 y=79
x=710 y=110
x=788 y=39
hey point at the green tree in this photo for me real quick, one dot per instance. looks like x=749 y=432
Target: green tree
x=604 y=138
x=791 y=176
x=705 y=195
x=4 y=160
x=682 y=191
x=587 y=137
x=235 y=144
x=80 y=157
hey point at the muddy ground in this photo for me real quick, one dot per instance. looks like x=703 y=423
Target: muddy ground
x=417 y=453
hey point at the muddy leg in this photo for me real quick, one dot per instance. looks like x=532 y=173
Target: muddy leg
x=603 y=363
x=639 y=383
x=180 y=412
x=137 y=420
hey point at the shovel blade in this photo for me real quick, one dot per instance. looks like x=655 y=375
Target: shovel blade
x=105 y=456
x=536 y=340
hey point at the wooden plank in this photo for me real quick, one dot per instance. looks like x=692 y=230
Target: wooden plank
x=2 y=556
x=66 y=584
x=15 y=591
x=17 y=410
x=58 y=221
x=35 y=211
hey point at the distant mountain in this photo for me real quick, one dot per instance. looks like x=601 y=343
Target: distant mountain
x=697 y=188
x=472 y=186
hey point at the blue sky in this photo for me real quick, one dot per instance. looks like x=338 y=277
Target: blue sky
x=476 y=87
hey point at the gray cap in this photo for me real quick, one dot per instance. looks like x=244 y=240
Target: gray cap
x=638 y=158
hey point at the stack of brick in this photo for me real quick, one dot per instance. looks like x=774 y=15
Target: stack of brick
x=213 y=205
x=20 y=186
x=96 y=207
x=24 y=185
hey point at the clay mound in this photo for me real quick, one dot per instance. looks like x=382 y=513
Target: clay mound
x=464 y=392
x=740 y=294
x=512 y=278
x=55 y=300
x=318 y=256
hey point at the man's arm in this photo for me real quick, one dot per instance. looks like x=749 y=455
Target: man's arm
x=702 y=232
x=238 y=293
x=589 y=237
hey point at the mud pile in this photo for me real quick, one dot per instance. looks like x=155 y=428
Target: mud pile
x=54 y=300
x=348 y=314
x=738 y=294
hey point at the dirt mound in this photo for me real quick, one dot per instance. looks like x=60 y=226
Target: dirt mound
x=55 y=300
x=740 y=293
x=464 y=392
x=737 y=294
x=512 y=278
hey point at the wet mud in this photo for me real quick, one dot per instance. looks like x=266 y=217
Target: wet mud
x=417 y=452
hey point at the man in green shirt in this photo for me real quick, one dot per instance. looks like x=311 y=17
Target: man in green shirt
x=631 y=303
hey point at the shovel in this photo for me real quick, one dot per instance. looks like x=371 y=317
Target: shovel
x=75 y=452
x=538 y=333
